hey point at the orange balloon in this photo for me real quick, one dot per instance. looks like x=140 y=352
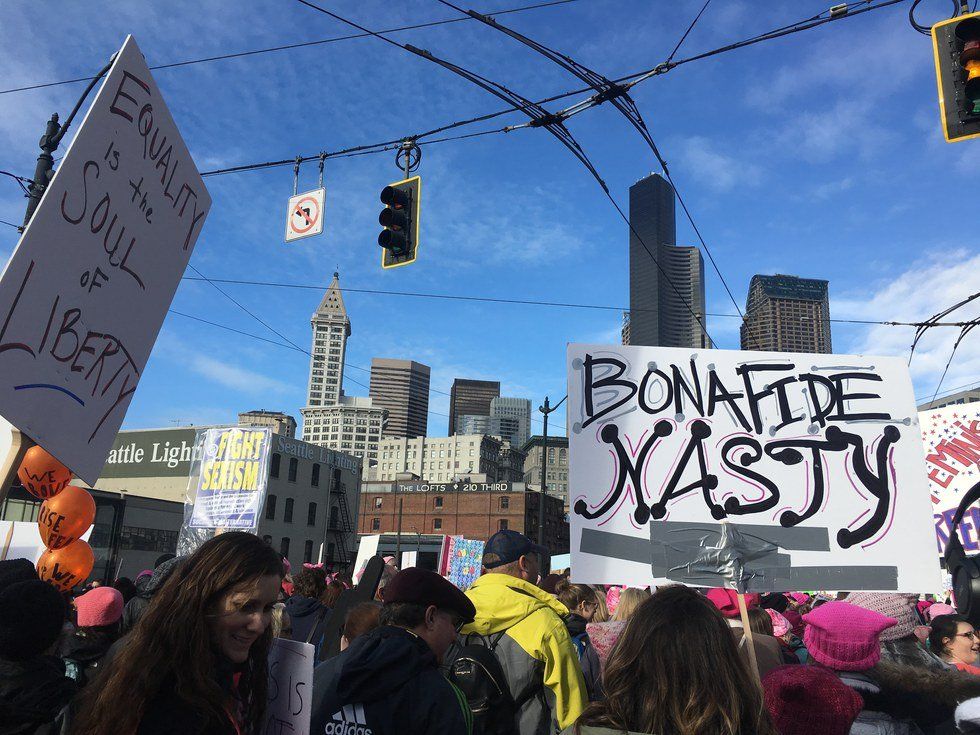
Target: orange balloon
x=65 y=517
x=68 y=567
x=42 y=475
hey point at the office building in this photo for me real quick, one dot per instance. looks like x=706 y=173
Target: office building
x=279 y=422
x=666 y=301
x=402 y=388
x=439 y=459
x=513 y=409
x=470 y=397
x=787 y=314
x=556 y=471
x=331 y=419
x=971 y=395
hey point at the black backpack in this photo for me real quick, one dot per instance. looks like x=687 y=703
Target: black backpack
x=476 y=671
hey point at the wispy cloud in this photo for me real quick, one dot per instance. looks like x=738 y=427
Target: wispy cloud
x=704 y=161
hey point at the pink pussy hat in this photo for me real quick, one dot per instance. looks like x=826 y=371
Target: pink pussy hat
x=844 y=637
x=780 y=625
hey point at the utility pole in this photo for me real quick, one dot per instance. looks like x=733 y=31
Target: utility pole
x=398 y=538
x=546 y=409
x=54 y=132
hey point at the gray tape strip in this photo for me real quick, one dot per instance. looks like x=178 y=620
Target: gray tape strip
x=615 y=545
x=674 y=560
x=791 y=539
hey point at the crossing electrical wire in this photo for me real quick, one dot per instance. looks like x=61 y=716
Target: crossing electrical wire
x=286 y=47
x=634 y=78
x=539 y=118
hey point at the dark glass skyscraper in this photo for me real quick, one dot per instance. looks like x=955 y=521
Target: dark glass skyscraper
x=661 y=303
x=470 y=397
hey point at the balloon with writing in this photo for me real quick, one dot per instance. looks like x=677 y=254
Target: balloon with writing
x=67 y=567
x=42 y=475
x=65 y=517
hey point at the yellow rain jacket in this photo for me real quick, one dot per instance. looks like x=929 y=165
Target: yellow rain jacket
x=536 y=652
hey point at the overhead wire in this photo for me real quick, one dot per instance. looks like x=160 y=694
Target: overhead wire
x=290 y=46
x=532 y=302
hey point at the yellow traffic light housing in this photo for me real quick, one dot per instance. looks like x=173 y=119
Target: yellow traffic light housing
x=956 y=44
x=400 y=218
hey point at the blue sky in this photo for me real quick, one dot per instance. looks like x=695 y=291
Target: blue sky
x=819 y=155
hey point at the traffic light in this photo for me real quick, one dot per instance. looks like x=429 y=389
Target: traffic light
x=956 y=43
x=400 y=218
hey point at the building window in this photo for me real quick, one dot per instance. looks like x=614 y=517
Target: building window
x=293 y=467
x=315 y=478
x=270 y=508
x=502 y=524
x=330 y=549
x=308 y=551
x=287 y=514
x=504 y=503
x=377 y=502
x=311 y=515
x=438 y=502
x=375 y=524
x=284 y=547
x=437 y=524
x=274 y=471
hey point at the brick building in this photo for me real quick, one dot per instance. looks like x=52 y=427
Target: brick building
x=473 y=510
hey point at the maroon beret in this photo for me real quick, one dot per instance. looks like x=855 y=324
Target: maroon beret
x=422 y=587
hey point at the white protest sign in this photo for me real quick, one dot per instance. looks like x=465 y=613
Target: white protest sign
x=290 y=688
x=771 y=471
x=367 y=546
x=87 y=289
x=24 y=540
x=951 y=436
x=304 y=214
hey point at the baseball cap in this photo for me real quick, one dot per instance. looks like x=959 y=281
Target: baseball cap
x=508 y=546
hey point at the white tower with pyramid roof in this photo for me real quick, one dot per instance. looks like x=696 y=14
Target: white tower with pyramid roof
x=349 y=424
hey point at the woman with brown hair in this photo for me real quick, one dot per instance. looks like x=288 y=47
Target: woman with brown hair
x=196 y=661
x=676 y=671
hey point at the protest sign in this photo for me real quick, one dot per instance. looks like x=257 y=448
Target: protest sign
x=951 y=437
x=234 y=473
x=87 y=289
x=465 y=561
x=290 y=688
x=20 y=540
x=754 y=470
x=367 y=547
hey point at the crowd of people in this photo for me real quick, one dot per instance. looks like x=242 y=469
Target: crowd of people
x=184 y=649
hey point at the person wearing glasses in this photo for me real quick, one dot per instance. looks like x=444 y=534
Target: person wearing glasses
x=388 y=680
x=953 y=639
x=582 y=604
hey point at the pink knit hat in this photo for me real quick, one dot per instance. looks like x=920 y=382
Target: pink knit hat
x=800 y=598
x=898 y=606
x=726 y=600
x=845 y=637
x=780 y=625
x=937 y=609
x=101 y=606
x=612 y=598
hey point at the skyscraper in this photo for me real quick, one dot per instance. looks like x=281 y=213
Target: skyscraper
x=787 y=314
x=513 y=409
x=402 y=387
x=470 y=397
x=662 y=298
x=348 y=423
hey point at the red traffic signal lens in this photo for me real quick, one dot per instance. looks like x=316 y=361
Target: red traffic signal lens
x=392 y=197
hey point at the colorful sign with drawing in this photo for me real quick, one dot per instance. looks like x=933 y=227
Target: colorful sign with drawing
x=951 y=436
x=465 y=561
x=88 y=287
x=234 y=474
x=756 y=470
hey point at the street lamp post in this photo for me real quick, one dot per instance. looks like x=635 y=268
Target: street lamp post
x=546 y=409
